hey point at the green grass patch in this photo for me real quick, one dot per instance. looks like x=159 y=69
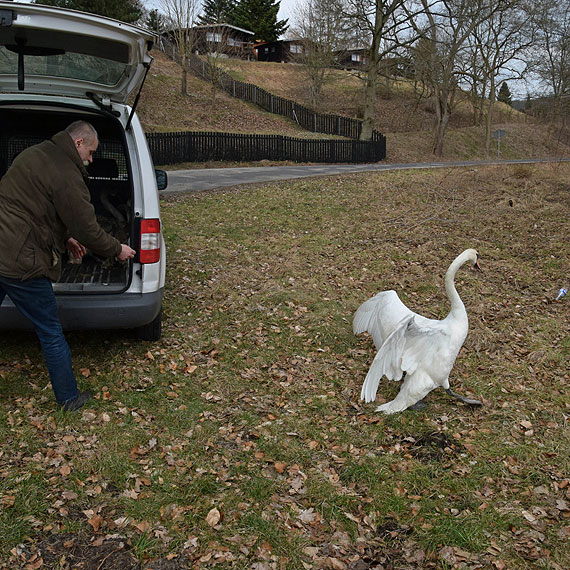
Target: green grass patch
x=239 y=438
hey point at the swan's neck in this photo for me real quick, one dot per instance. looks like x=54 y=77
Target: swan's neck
x=457 y=306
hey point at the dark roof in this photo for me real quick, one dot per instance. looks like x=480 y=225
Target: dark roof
x=225 y=26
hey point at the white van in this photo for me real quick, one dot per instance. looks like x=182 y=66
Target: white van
x=58 y=66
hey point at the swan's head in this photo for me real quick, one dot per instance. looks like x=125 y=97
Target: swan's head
x=471 y=255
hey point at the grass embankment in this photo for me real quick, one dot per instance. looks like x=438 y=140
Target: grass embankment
x=239 y=441
x=405 y=120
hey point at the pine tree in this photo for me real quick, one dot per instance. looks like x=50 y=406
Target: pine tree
x=156 y=22
x=217 y=12
x=260 y=17
x=125 y=10
x=504 y=94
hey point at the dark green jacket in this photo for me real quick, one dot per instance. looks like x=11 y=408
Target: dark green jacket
x=43 y=201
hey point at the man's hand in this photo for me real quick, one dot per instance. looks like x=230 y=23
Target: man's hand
x=75 y=248
x=126 y=253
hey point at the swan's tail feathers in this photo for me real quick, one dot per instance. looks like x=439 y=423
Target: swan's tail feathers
x=387 y=362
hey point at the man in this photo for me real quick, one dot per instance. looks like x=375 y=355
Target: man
x=45 y=208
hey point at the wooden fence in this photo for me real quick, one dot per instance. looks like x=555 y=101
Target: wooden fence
x=307 y=118
x=174 y=148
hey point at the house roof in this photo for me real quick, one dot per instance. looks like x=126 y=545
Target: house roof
x=203 y=26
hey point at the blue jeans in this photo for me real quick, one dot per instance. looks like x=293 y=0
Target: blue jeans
x=35 y=299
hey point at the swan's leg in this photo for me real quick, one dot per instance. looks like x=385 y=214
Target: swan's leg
x=419 y=405
x=415 y=388
x=463 y=398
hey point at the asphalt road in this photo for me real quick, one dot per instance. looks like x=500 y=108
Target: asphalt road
x=197 y=180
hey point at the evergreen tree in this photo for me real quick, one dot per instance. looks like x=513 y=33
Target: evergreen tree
x=156 y=22
x=217 y=12
x=125 y=10
x=504 y=94
x=260 y=17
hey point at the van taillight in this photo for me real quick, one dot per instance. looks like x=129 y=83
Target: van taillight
x=149 y=251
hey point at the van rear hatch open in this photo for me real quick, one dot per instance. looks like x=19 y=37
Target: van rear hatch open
x=47 y=50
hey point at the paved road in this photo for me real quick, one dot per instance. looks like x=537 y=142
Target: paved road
x=196 y=180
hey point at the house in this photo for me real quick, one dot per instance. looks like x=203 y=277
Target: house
x=225 y=39
x=280 y=50
x=354 y=58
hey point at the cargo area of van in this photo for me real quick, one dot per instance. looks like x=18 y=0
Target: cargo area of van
x=109 y=184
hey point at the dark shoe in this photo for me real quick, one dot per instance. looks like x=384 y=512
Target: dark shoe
x=77 y=402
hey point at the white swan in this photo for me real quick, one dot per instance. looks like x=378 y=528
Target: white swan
x=422 y=349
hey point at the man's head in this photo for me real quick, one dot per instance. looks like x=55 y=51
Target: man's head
x=85 y=139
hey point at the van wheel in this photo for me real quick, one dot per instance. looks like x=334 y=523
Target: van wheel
x=151 y=331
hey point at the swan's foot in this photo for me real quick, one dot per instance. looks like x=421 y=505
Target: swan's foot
x=463 y=399
x=419 y=405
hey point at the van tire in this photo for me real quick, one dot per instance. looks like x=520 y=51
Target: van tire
x=151 y=331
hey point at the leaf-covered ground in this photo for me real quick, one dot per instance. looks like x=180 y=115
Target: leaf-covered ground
x=239 y=441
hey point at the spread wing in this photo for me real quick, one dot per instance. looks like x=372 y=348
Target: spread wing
x=379 y=316
x=408 y=347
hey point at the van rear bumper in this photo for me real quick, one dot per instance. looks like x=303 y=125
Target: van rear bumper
x=87 y=312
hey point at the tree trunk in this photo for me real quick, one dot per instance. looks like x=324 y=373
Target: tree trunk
x=184 y=86
x=489 y=121
x=442 y=116
x=372 y=77
x=369 y=105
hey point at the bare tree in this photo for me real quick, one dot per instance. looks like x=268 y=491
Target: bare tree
x=219 y=43
x=386 y=25
x=552 y=61
x=446 y=26
x=180 y=16
x=501 y=42
x=322 y=33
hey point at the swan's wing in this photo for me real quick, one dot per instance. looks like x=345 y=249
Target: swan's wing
x=386 y=362
x=407 y=348
x=427 y=346
x=379 y=316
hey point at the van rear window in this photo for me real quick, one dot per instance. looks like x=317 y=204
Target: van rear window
x=66 y=65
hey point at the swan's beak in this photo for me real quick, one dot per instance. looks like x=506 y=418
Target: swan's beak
x=476 y=266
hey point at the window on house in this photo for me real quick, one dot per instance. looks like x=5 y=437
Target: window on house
x=295 y=48
x=213 y=37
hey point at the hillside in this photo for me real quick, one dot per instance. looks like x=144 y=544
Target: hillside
x=403 y=120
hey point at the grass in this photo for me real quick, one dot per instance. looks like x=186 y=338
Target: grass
x=249 y=405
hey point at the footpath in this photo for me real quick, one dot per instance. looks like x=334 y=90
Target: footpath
x=198 y=180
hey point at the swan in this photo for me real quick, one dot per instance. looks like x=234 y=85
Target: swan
x=421 y=349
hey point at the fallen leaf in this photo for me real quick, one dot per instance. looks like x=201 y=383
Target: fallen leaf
x=143 y=526
x=213 y=517
x=95 y=521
